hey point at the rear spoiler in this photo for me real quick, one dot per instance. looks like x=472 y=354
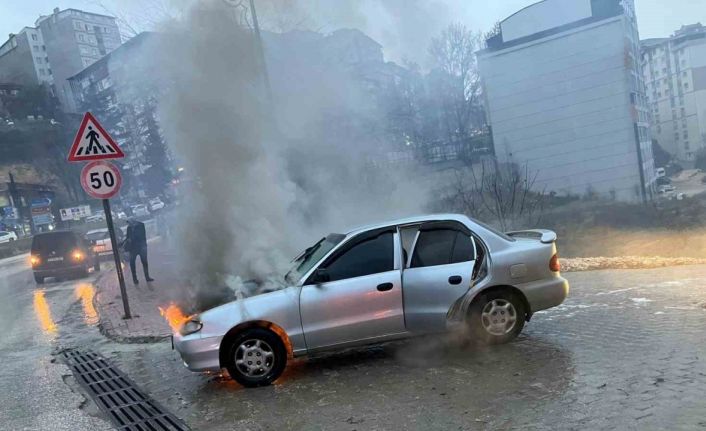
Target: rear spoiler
x=544 y=235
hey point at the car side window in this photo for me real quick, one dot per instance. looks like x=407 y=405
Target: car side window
x=463 y=249
x=370 y=256
x=441 y=247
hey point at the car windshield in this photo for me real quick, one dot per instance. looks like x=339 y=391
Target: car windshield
x=309 y=257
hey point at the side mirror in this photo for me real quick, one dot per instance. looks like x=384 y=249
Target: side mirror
x=321 y=276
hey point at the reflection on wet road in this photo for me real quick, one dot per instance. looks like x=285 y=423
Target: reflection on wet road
x=36 y=393
x=41 y=309
x=85 y=292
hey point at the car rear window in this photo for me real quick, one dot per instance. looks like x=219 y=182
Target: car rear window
x=95 y=236
x=55 y=241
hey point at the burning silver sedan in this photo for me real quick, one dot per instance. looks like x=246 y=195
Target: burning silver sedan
x=379 y=283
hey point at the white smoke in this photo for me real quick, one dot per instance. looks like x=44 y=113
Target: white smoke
x=267 y=180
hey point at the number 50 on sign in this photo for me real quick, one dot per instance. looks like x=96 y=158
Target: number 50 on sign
x=101 y=179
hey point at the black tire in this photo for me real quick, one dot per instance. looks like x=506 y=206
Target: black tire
x=38 y=279
x=502 y=331
x=269 y=342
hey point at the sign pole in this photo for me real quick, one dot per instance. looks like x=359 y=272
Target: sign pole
x=116 y=257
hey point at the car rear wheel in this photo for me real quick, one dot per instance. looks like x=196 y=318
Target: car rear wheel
x=256 y=357
x=496 y=317
x=38 y=279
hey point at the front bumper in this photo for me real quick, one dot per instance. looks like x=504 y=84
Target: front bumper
x=546 y=293
x=198 y=354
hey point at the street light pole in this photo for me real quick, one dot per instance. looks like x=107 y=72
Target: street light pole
x=261 y=54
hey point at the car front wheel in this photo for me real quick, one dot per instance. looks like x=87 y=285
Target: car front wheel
x=38 y=279
x=256 y=357
x=496 y=317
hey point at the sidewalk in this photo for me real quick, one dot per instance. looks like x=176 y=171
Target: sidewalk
x=146 y=325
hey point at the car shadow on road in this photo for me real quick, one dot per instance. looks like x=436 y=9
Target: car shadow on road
x=527 y=362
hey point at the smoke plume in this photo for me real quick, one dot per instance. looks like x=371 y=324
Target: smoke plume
x=267 y=179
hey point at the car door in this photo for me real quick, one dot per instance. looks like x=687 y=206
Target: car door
x=362 y=299
x=439 y=272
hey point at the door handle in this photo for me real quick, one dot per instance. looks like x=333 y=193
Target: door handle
x=455 y=279
x=384 y=287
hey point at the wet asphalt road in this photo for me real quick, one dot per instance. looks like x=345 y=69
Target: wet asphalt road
x=627 y=350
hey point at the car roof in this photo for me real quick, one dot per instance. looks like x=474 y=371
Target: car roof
x=409 y=220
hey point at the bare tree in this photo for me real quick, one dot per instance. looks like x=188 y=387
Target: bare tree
x=497 y=192
x=458 y=80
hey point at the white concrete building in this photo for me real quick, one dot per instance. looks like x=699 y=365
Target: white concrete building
x=674 y=69
x=564 y=94
x=75 y=39
x=23 y=59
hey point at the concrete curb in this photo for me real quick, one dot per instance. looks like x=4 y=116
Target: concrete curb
x=105 y=325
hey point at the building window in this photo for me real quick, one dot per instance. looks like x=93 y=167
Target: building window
x=36 y=47
x=39 y=60
x=683 y=112
x=659 y=129
x=686 y=145
x=42 y=71
x=34 y=37
x=686 y=85
x=44 y=48
x=81 y=38
x=686 y=134
x=683 y=74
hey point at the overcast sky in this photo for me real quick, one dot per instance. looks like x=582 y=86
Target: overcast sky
x=656 y=18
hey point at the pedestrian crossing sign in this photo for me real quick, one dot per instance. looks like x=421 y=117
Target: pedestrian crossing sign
x=92 y=142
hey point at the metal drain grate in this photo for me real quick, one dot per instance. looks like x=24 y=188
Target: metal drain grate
x=116 y=395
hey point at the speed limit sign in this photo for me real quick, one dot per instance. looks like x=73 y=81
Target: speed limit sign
x=101 y=179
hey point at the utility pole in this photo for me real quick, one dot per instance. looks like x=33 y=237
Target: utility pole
x=261 y=54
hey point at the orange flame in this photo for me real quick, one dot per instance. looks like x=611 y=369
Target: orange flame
x=174 y=316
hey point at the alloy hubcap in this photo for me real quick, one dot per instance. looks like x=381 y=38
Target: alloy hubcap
x=254 y=358
x=498 y=317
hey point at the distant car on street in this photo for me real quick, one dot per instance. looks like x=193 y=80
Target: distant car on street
x=156 y=204
x=7 y=236
x=140 y=210
x=100 y=240
x=95 y=218
x=61 y=254
x=379 y=283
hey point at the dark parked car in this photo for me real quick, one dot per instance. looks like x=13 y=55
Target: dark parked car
x=61 y=254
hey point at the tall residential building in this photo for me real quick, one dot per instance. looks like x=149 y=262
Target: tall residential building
x=74 y=40
x=122 y=93
x=23 y=59
x=565 y=96
x=674 y=69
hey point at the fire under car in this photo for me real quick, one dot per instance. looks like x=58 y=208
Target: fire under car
x=381 y=283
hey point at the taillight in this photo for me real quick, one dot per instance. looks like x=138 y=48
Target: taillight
x=34 y=260
x=77 y=255
x=554 y=264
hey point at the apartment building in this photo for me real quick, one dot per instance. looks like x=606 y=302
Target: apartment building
x=75 y=39
x=674 y=70
x=565 y=97
x=23 y=59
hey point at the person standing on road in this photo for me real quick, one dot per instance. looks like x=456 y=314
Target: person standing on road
x=136 y=245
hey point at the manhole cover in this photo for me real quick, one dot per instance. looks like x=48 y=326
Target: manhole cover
x=117 y=396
